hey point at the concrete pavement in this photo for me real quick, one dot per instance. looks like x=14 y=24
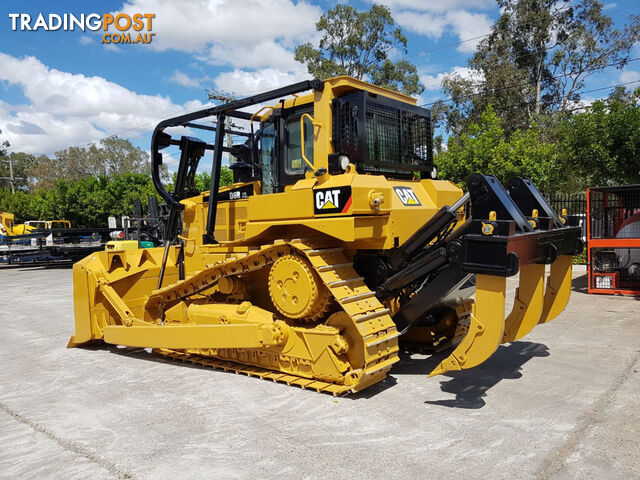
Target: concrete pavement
x=562 y=404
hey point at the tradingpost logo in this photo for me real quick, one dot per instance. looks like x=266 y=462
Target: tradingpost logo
x=121 y=28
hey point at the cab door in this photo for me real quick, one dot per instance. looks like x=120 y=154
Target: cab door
x=268 y=162
x=281 y=149
x=293 y=167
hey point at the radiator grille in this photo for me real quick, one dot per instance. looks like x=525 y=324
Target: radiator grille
x=383 y=136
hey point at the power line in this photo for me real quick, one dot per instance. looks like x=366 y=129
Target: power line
x=421 y=53
x=444 y=47
x=91 y=142
x=511 y=107
x=451 y=45
x=610 y=86
x=509 y=87
x=504 y=108
x=141 y=128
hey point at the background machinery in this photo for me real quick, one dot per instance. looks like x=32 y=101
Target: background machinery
x=140 y=230
x=613 y=239
x=34 y=225
x=334 y=247
x=46 y=242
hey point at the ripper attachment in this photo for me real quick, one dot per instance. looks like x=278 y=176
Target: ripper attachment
x=507 y=232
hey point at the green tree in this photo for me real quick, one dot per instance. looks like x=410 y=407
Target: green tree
x=117 y=155
x=358 y=44
x=22 y=204
x=20 y=163
x=536 y=60
x=4 y=164
x=486 y=148
x=86 y=202
x=601 y=145
x=4 y=144
x=112 y=156
x=202 y=180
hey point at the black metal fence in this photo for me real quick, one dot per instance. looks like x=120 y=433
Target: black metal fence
x=575 y=205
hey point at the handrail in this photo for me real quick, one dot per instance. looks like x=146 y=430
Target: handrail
x=159 y=139
x=255 y=114
x=315 y=124
x=252 y=135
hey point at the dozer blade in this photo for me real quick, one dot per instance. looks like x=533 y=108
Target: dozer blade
x=558 y=291
x=527 y=306
x=486 y=327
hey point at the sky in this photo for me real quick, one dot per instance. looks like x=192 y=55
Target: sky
x=65 y=88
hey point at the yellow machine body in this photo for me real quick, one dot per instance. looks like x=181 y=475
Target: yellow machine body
x=23 y=229
x=116 y=245
x=6 y=224
x=31 y=225
x=279 y=296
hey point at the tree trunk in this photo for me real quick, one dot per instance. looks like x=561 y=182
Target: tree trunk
x=538 y=85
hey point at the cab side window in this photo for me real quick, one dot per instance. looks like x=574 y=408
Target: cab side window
x=267 y=148
x=294 y=164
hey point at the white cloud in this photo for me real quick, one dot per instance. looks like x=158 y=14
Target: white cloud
x=434 y=82
x=72 y=109
x=267 y=53
x=85 y=40
x=629 y=76
x=243 y=82
x=469 y=27
x=254 y=37
x=583 y=103
x=184 y=80
x=438 y=5
x=248 y=34
x=426 y=24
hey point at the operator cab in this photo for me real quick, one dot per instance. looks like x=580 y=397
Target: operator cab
x=379 y=131
x=381 y=136
x=280 y=149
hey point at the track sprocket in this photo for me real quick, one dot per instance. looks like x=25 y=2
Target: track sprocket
x=296 y=290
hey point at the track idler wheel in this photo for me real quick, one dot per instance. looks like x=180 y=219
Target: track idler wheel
x=296 y=290
x=356 y=353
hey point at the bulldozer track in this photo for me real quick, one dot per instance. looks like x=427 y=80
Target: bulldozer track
x=377 y=336
x=204 y=279
x=371 y=319
x=254 y=371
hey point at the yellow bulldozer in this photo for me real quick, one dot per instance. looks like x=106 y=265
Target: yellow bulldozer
x=334 y=248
